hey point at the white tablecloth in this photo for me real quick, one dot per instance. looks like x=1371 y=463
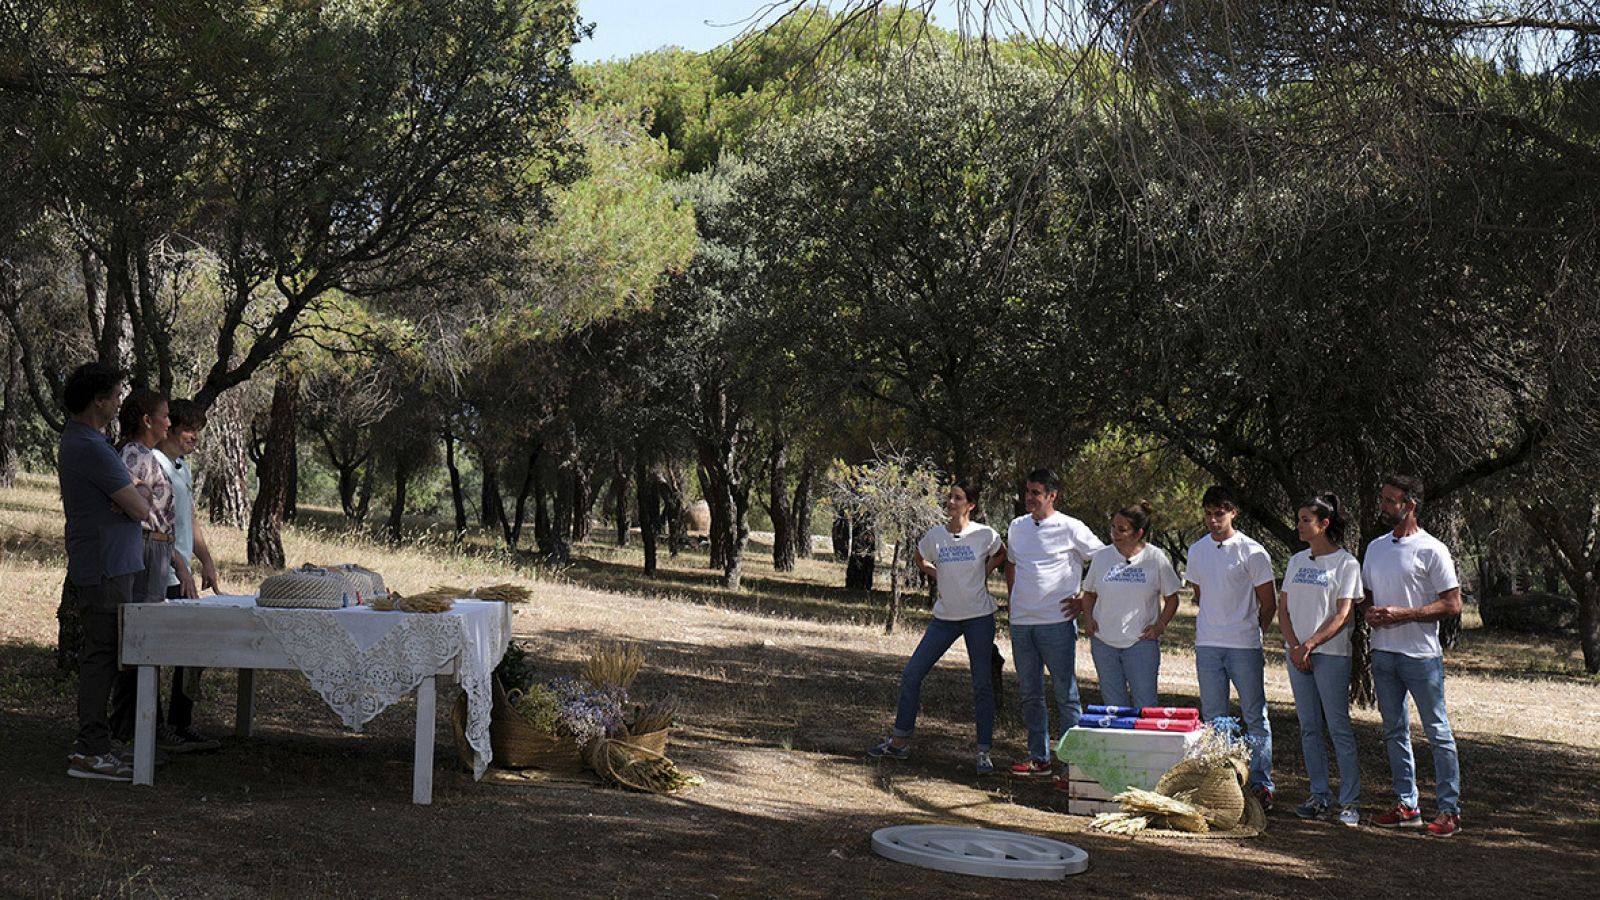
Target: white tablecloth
x=360 y=660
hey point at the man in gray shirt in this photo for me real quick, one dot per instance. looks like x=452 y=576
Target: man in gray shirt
x=103 y=508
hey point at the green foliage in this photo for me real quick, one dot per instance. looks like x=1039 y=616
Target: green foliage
x=901 y=496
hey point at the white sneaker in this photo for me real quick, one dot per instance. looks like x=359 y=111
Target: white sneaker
x=1349 y=817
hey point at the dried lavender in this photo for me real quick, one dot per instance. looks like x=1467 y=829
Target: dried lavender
x=588 y=712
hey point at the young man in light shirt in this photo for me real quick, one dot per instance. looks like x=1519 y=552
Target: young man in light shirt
x=1233 y=584
x=1411 y=584
x=177 y=733
x=1046 y=552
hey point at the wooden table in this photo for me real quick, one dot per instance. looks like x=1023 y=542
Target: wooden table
x=232 y=637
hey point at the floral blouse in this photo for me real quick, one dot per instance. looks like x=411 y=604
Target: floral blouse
x=142 y=465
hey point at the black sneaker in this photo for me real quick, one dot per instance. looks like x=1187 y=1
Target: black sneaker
x=184 y=740
x=123 y=750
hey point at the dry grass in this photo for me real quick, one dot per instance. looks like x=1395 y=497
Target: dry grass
x=780 y=685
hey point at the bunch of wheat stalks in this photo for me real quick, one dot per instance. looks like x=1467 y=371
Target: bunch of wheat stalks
x=648 y=772
x=1142 y=809
x=503 y=593
x=438 y=600
x=614 y=665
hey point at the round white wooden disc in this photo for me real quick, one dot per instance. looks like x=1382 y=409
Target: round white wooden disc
x=979 y=851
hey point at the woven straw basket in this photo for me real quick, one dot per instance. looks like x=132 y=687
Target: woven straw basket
x=306 y=589
x=517 y=744
x=1215 y=787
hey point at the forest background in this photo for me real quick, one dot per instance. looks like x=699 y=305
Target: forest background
x=412 y=259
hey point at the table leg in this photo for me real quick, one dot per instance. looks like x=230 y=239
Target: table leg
x=144 y=728
x=245 y=707
x=422 y=769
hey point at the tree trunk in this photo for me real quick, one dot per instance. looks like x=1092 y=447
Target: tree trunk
x=560 y=550
x=530 y=484
x=291 y=494
x=649 y=511
x=783 y=540
x=672 y=509
x=583 y=494
x=364 y=499
x=861 y=558
x=349 y=478
x=397 y=511
x=458 y=502
x=619 y=489
x=543 y=534
x=264 y=544
x=801 y=508
x=10 y=415
x=491 y=511
x=224 y=464
x=1589 y=625
x=894 y=591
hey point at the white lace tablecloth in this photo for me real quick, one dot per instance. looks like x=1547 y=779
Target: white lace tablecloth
x=360 y=660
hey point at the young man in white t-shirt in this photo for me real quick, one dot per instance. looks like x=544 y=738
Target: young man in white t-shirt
x=1233 y=584
x=1046 y=552
x=1411 y=584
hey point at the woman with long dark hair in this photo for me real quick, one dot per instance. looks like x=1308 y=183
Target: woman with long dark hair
x=958 y=556
x=1321 y=586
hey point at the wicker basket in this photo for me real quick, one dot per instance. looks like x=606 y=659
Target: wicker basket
x=1215 y=787
x=516 y=744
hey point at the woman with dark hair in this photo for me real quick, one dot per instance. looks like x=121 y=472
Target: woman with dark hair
x=143 y=424
x=1321 y=585
x=1129 y=597
x=958 y=556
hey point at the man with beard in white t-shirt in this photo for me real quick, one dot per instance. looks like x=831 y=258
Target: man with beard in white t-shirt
x=1046 y=552
x=1411 y=584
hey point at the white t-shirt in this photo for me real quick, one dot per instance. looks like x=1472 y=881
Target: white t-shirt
x=1411 y=571
x=1128 y=592
x=1313 y=587
x=960 y=560
x=1227 y=575
x=1049 y=558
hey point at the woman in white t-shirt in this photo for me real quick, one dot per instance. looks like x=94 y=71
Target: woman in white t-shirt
x=1129 y=597
x=958 y=556
x=1321 y=585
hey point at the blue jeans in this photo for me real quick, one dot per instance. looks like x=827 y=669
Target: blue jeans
x=1128 y=675
x=1394 y=676
x=1216 y=666
x=979 y=635
x=1322 y=701
x=1035 y=647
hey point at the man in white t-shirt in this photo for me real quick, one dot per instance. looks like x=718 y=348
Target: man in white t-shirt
x=1046 y=552
x=1233 y=584
x=1411 y=584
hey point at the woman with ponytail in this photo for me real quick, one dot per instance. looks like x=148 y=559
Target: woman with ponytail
x=1129 y=597
x=1321 y=585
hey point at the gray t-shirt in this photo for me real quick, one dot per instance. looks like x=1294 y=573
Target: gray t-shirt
x=101 y=541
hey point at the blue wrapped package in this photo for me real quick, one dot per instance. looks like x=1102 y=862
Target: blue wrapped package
x=1127 y=711
x=1127 y=722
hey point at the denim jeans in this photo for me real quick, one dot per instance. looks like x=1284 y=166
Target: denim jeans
x=1127 y=675
x=1394 y=676
x=1035 y=647
x=979 y=635
x=1214 y=668
x=1322 y=702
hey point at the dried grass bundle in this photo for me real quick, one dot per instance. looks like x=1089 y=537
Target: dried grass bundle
x=503 y=593
x=1175 y=813
x=1119 y=823
x=657 y=716
x=386 y=603
x=639 y=768
x=614 y=665
x=438 y=600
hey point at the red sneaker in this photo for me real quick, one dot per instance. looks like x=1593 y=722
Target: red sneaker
x=1264 y=797
x=1445 y=825
x=1033 y=768
x=1402 y=816
x=1061 y=783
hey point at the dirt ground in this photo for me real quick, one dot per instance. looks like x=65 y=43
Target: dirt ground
x=782 y=687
